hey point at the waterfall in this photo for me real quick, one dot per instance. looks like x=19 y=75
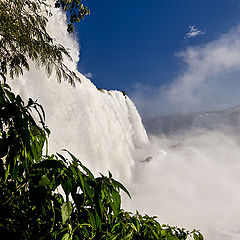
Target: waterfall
x=101 y=128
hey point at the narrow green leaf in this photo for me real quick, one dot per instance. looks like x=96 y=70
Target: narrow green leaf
x=7 y=172
x=118 y=184
x=134 y=227
x=82 y=166
x=98 y=220
x=201 y=236
x=67 y=236
x=67 y=186
x=66 y=211
x=195 y=236
x=92 y=220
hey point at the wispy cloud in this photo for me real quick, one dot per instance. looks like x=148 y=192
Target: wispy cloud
x=89 y=75
x=209 y=80
x=193 y=32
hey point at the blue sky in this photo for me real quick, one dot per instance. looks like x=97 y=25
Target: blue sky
x=132 y=43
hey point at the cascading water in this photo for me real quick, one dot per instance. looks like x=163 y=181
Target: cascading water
x=189 y=180
x=102 y=127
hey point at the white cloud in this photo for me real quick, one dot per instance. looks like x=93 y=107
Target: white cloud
x=89 y=75
x=210 y=78
x=193 y=32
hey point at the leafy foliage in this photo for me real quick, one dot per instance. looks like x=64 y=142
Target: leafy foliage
x=23 y=37
x=77 y=11
x=32 y=206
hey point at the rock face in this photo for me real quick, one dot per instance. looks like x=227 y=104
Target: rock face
x=180 y=122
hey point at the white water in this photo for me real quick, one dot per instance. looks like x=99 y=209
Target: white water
x=192 y=180
x=192 y=184
x=100 y=127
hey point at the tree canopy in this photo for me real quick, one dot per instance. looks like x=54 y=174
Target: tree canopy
x=23 y=37
x=77 y=11
x=31 y=205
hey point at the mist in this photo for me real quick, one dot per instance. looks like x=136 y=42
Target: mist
x=191 y=180
x=189 y=175
x=208 y=80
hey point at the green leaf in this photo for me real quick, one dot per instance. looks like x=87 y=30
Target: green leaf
x=7 y=172
x=116 y=202
x=74 y=172
x=98 y=220
x=15 y=172
x=10 y=95
x=134 y=227
x=44 y=181
x=67 y=186
x=198 y=236
x=137 y=225
x=67 y=236
x=92 y=219
x=89 y=191
x=66 y=211
x=118 y=184
x=201 y=236
x=163 y=233
x=82 y=166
